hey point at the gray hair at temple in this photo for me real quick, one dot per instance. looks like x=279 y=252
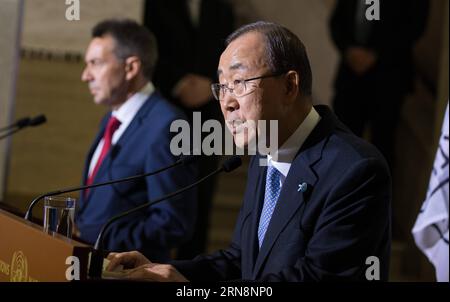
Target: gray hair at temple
x=132 y=39
x=284 y=50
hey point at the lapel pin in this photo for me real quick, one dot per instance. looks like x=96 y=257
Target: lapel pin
x=302 y=187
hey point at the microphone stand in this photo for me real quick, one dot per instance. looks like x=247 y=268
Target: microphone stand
x=23 y=123
x=29 y=213
x=11 y=132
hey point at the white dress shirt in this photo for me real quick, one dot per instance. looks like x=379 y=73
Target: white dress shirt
x=286 y=153
x=125 y=115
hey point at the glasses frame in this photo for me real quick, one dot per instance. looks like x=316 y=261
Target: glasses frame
x=231 y=90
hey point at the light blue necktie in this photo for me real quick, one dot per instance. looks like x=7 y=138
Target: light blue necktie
x=273 y=189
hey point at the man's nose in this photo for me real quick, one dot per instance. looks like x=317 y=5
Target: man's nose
x=86 y=75
x=229 y=102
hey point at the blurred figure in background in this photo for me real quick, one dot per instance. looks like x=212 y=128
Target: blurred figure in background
x=190 y=36
x=376 y=69
x=134 y=138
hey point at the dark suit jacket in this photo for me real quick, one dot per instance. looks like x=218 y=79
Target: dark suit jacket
x=326 y=233
x=392 y=38
x=143 y=147
x=184 y=48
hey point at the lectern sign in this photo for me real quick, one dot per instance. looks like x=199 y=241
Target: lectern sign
x=27 y=253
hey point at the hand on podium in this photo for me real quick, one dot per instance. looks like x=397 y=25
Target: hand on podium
x=137 y=266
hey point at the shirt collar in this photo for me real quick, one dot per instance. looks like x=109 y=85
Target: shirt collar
x=286 y=153
x=128 y=110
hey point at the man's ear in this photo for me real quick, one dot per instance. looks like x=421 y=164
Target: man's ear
x=292 y=83
x=133 y=66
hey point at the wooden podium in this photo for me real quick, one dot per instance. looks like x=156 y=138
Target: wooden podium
x=27 y=253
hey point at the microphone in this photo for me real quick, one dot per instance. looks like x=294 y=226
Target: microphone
x=36 y=121
x=20 y=123
x=95 y=269
x=23 y=123
x=184 y=160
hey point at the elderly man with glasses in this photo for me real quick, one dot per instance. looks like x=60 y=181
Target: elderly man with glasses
x=319 y=209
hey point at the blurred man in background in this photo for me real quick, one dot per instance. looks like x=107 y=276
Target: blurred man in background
x=376 y=69
x=134 y=138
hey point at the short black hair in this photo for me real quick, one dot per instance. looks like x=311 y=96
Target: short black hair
x=132 y=39
x=285 y=51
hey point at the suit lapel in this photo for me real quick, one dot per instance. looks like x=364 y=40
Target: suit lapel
x=250 y=248
x=90 y=154
x=288 y=203
x=131 y=130
x=291 y=199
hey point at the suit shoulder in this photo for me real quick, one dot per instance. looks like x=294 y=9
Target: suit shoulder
x=165 y=111
x=344 y=148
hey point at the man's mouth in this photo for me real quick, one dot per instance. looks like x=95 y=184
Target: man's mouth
x=236 y=126
x=93 y=90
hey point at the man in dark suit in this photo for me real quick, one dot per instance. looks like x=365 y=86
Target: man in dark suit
x=190 y=35
x=319 y=209
x=134 y=138
x=376 y=70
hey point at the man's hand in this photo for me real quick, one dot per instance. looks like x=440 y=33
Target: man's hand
x=137 y=266
x=156 y=272
x=129 y=260
x=360 y=59
x=194 y=90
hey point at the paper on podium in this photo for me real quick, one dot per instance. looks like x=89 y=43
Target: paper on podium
x=117 y=273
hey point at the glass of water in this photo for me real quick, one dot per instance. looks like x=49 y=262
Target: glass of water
x=59 y=213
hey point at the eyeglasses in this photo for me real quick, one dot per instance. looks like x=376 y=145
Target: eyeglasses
x=240 y=87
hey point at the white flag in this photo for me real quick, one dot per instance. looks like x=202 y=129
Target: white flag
x=431 y=228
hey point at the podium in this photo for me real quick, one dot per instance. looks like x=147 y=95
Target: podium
x=27 y=253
